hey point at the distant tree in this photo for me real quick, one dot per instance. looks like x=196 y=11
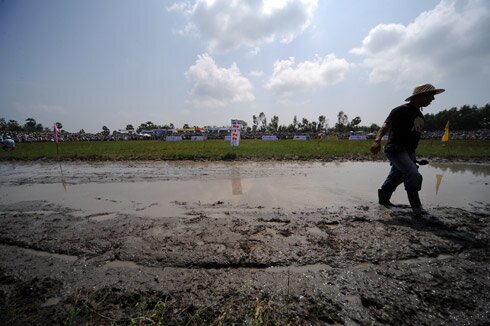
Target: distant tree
x=146 y=126
x=3 y=124
x=313 y=126
x=465 y=118
x=185 y=126
x=13 y=125
x=105 y=131
x=59 y=125
x=263 y=121
x=305 y=125
x=321 y=122
x=255 y=122
x=274 y=124
x=342 y=122
x=373 y=128
x=30 y=125
x=244 y=125
x=129 y=127
x=355 y=123
x=81 y=131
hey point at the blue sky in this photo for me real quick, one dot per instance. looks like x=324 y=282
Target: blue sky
x=115 y=62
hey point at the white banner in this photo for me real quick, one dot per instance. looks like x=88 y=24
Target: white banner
x=273 y=137
x=357 y=137
x=173 y=138
x=235 y=132
x=198 y=138
x=301 y=137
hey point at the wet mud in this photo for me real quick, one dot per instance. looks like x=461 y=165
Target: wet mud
x=223 y=262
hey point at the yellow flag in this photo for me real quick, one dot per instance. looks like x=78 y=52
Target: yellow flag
x=445 y=137
x=438 y=182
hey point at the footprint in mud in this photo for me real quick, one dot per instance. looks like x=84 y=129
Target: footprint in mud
x=285 y=232
x=110 y=200
x=145 y=207
x=99 y=217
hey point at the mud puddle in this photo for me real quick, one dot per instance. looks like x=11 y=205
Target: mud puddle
x=256 y=243
x=156 y=191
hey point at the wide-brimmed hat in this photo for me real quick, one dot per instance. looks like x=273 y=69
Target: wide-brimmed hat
x=426 y=88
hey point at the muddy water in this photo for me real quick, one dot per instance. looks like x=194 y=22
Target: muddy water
x=159 y=189
x=224 y=243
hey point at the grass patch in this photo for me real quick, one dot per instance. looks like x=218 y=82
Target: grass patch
x=222 y=150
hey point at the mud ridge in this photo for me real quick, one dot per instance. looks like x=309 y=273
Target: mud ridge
x=217 y=260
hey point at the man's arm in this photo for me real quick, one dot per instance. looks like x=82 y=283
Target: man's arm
x=376 y=146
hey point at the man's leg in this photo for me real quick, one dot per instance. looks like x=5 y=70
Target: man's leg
x=411 y=178
x=393 y=180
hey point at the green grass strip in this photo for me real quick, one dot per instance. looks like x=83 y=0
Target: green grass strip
x=248 y=149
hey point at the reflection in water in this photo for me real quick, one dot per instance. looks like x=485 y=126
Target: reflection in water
x=476 y=169
x=150 y=190
x=236 y=181
x=63 y=182
x=438 y=182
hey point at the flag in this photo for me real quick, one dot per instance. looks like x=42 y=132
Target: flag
x=235 y=133
x=56 y=133
x=445 y=137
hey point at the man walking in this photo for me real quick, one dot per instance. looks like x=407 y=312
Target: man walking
x=404 y=124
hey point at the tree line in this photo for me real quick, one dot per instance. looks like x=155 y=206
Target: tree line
x=463 y=118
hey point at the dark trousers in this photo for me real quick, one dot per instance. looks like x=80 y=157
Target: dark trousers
x=403 y=169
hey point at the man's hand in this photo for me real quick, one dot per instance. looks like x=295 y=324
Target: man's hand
x=376 y=147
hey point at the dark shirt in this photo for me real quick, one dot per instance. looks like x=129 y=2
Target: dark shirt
x=406 y=123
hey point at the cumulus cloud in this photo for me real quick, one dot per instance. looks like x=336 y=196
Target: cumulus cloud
x=288 y=78
x=227 y=25
x=215 y=86
x=257 y=73
x=451 y=39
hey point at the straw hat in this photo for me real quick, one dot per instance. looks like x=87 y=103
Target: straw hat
x=426 y=88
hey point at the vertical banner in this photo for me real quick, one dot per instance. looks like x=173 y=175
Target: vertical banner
x=235 y=132
x=56 y=132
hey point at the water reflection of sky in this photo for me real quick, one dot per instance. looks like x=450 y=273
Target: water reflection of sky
x=153 y=190
x=482 y=170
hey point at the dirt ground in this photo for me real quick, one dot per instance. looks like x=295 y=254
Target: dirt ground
x=222 y=263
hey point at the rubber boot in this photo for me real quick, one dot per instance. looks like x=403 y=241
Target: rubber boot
x=384 y=197
x=414 y=199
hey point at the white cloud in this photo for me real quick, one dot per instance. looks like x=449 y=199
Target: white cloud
x=254 y=51
x=257 y=73
x=215 y=86
x=451 y=39
x=230 y=24
x=288 y=78
x=178 y=6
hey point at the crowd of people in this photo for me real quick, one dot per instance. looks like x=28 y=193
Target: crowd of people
x=23 y=137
